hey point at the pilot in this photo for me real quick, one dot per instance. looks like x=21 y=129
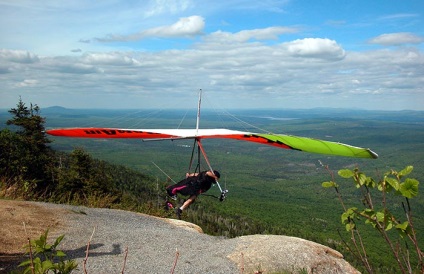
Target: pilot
x=193 y=185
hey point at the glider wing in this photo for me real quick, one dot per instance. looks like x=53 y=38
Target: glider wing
x=277 y=140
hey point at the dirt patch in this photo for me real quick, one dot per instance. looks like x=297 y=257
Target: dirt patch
x=13 y=235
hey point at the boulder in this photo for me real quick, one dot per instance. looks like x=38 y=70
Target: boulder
x=276 y=253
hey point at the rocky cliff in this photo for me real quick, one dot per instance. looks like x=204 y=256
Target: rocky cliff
x=138 y=243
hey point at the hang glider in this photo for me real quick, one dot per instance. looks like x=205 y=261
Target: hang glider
x=276 y=140
x=197 y=134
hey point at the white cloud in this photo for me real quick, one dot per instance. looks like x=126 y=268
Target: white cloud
x=316 y=48
x=18 y=56
x=270 y=33
x=396 y=39
x=399 y=16
x=27 y=83
x=110 y=58
x=184 y=27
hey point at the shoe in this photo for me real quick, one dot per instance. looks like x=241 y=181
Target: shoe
x=178 y=211
x=172 y=196
x=168 y=205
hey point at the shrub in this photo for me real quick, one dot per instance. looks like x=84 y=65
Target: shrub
x=46 y=258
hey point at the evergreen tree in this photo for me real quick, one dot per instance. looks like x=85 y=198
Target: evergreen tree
x=25 y=153
x=31 y=125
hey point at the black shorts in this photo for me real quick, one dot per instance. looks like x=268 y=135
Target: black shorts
x=185 y=187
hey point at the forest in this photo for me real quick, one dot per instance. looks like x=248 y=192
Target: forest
x=271 y=191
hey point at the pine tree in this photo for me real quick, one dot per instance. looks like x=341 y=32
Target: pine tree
x=31 y=124
x=34 y=155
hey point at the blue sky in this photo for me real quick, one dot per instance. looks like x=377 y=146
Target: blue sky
x=242 y=54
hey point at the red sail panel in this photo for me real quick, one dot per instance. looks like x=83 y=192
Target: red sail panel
x=107 y=133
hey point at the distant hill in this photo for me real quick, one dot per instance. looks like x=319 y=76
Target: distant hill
x=57 y=110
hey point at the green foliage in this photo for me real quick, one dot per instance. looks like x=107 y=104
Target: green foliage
x=383 y=219
x=47 y=258
x=24 y=156
x=84 y=180
x=30 y=122
x=79 y=174
x=407 y=188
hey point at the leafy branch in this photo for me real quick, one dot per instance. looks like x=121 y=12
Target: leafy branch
x=382 y=220
x=46 y=258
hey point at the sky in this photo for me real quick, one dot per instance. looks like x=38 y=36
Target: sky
x=243 y=54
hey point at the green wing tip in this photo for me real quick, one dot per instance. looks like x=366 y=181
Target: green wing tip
x=373 y=154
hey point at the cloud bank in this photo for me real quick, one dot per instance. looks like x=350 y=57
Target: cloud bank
x=247 y=54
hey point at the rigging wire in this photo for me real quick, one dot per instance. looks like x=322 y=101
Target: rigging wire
x=129 y=118
x=166 y=174
x=246 y=123
x=182 y=120
x=224 y=112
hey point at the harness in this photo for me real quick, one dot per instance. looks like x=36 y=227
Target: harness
x=200 y=150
